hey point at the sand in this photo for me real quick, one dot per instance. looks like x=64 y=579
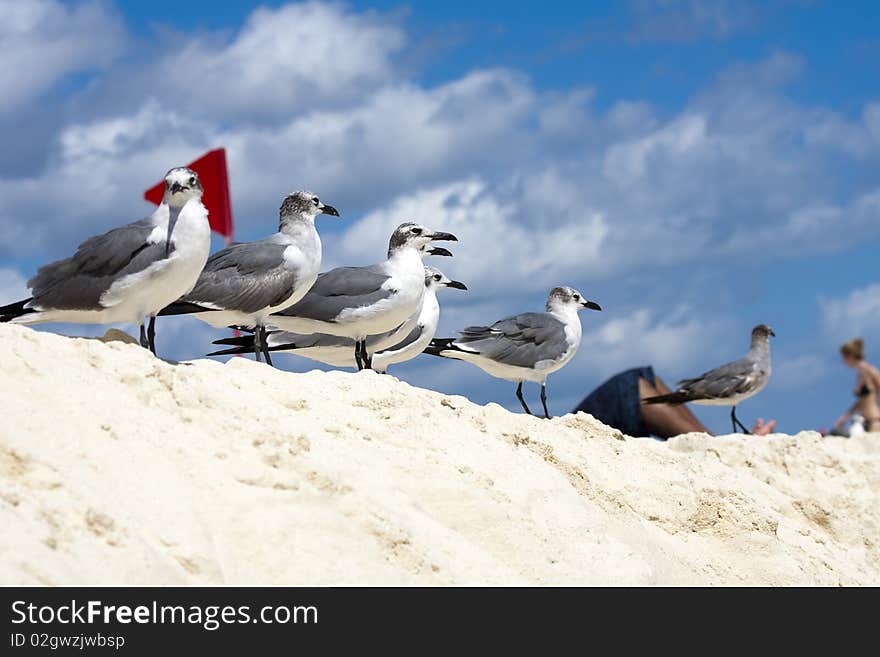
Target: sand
x=119 y=468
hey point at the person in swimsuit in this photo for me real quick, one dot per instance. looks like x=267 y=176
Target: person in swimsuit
x=867 y=386
x=618 y=403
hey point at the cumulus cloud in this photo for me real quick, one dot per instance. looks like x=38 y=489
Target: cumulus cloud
x=41 y=41
x=857 y=313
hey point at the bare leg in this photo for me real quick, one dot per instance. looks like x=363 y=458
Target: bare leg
x=544 y=399
x=151 y=334
x=666 y=420
x=520 y=397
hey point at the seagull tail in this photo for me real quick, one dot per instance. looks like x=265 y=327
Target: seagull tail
x=679 y=397
x=13 y=310
x=439 y=345
x=182 y=308
x=244 y=344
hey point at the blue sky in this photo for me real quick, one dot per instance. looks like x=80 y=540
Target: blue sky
x=695 y=166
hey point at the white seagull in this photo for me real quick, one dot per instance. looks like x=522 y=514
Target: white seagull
x=356 y=302
x=397 y=346
x=130 y=273
x=245 y=283
x=525 y=347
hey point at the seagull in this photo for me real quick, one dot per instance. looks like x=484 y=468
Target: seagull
x=129 y=273
x=356 y=302
x=246 y=282
x=729 y=384
x=525 y=347
x=396 y=346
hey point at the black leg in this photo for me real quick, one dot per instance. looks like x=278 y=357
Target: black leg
x=144 y=342
x=265 y=342
x=258 y=347
x=520 y=397
x=368 y=358
x=737 y=423
x=357 y=355
x=151 y=334
x=544 y=400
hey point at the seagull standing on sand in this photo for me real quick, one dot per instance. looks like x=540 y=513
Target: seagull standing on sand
x=129 y=273
x=245 y=283
x=729 y=384
x=397 y=346
x=356 y=302
x=526 y=347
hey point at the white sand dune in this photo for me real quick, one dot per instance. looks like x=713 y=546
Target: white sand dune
x=118 y=468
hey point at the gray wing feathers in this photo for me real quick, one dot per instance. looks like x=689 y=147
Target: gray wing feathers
x=247 y=277
x=341 y=289
x=520 y=341
x=79 y=281
x=728 y=380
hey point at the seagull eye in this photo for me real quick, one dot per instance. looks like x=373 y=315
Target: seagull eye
x=416 y=231
x=316 y=201
x=577 y=297
x=192 y=180
x=436 y=277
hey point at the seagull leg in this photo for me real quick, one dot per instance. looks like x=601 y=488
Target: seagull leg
x=258 y=347
x=357 y=355
x=736 y=422
x=544 y=399
x=144 y=342
x=520 y=397
x=151 y=334
x=265 y=343
x=368 y=358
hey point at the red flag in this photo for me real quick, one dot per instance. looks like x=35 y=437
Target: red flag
x=211 y=168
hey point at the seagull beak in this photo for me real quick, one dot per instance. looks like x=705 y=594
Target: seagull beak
x=177 y=187
x=439 y=251
x=329 y=209
x=772 y=333
x=458 y=285
x=444 y=237
x=592 y=305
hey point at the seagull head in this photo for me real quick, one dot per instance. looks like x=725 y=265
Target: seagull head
x=435 y=279
x=410 y=235
x=567 y=299
x=181 y=185
x=762 y=333
x=304 y=205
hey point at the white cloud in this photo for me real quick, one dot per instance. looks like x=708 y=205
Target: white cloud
x=799 y=372
x=41 y=41
x=857 y=313
x=283 y=60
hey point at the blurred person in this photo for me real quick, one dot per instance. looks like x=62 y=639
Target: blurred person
x=867 y=387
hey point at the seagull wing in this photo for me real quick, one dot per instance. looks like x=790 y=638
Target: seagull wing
x=247 y=277
x=520 y=341
x=80 y=281
x=341 y=289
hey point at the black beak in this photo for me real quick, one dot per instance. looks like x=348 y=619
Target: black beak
x=444 y=237
x=329 y=209
x=458 y=285
x=177 y=187
x=440 y=251
x=592 y=305
x=772 y=333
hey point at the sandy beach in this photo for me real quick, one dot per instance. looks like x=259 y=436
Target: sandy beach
x=119 y=468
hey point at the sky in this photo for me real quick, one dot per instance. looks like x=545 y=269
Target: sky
x=695 y=166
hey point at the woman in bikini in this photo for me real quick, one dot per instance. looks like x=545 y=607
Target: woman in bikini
x=867 y=386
